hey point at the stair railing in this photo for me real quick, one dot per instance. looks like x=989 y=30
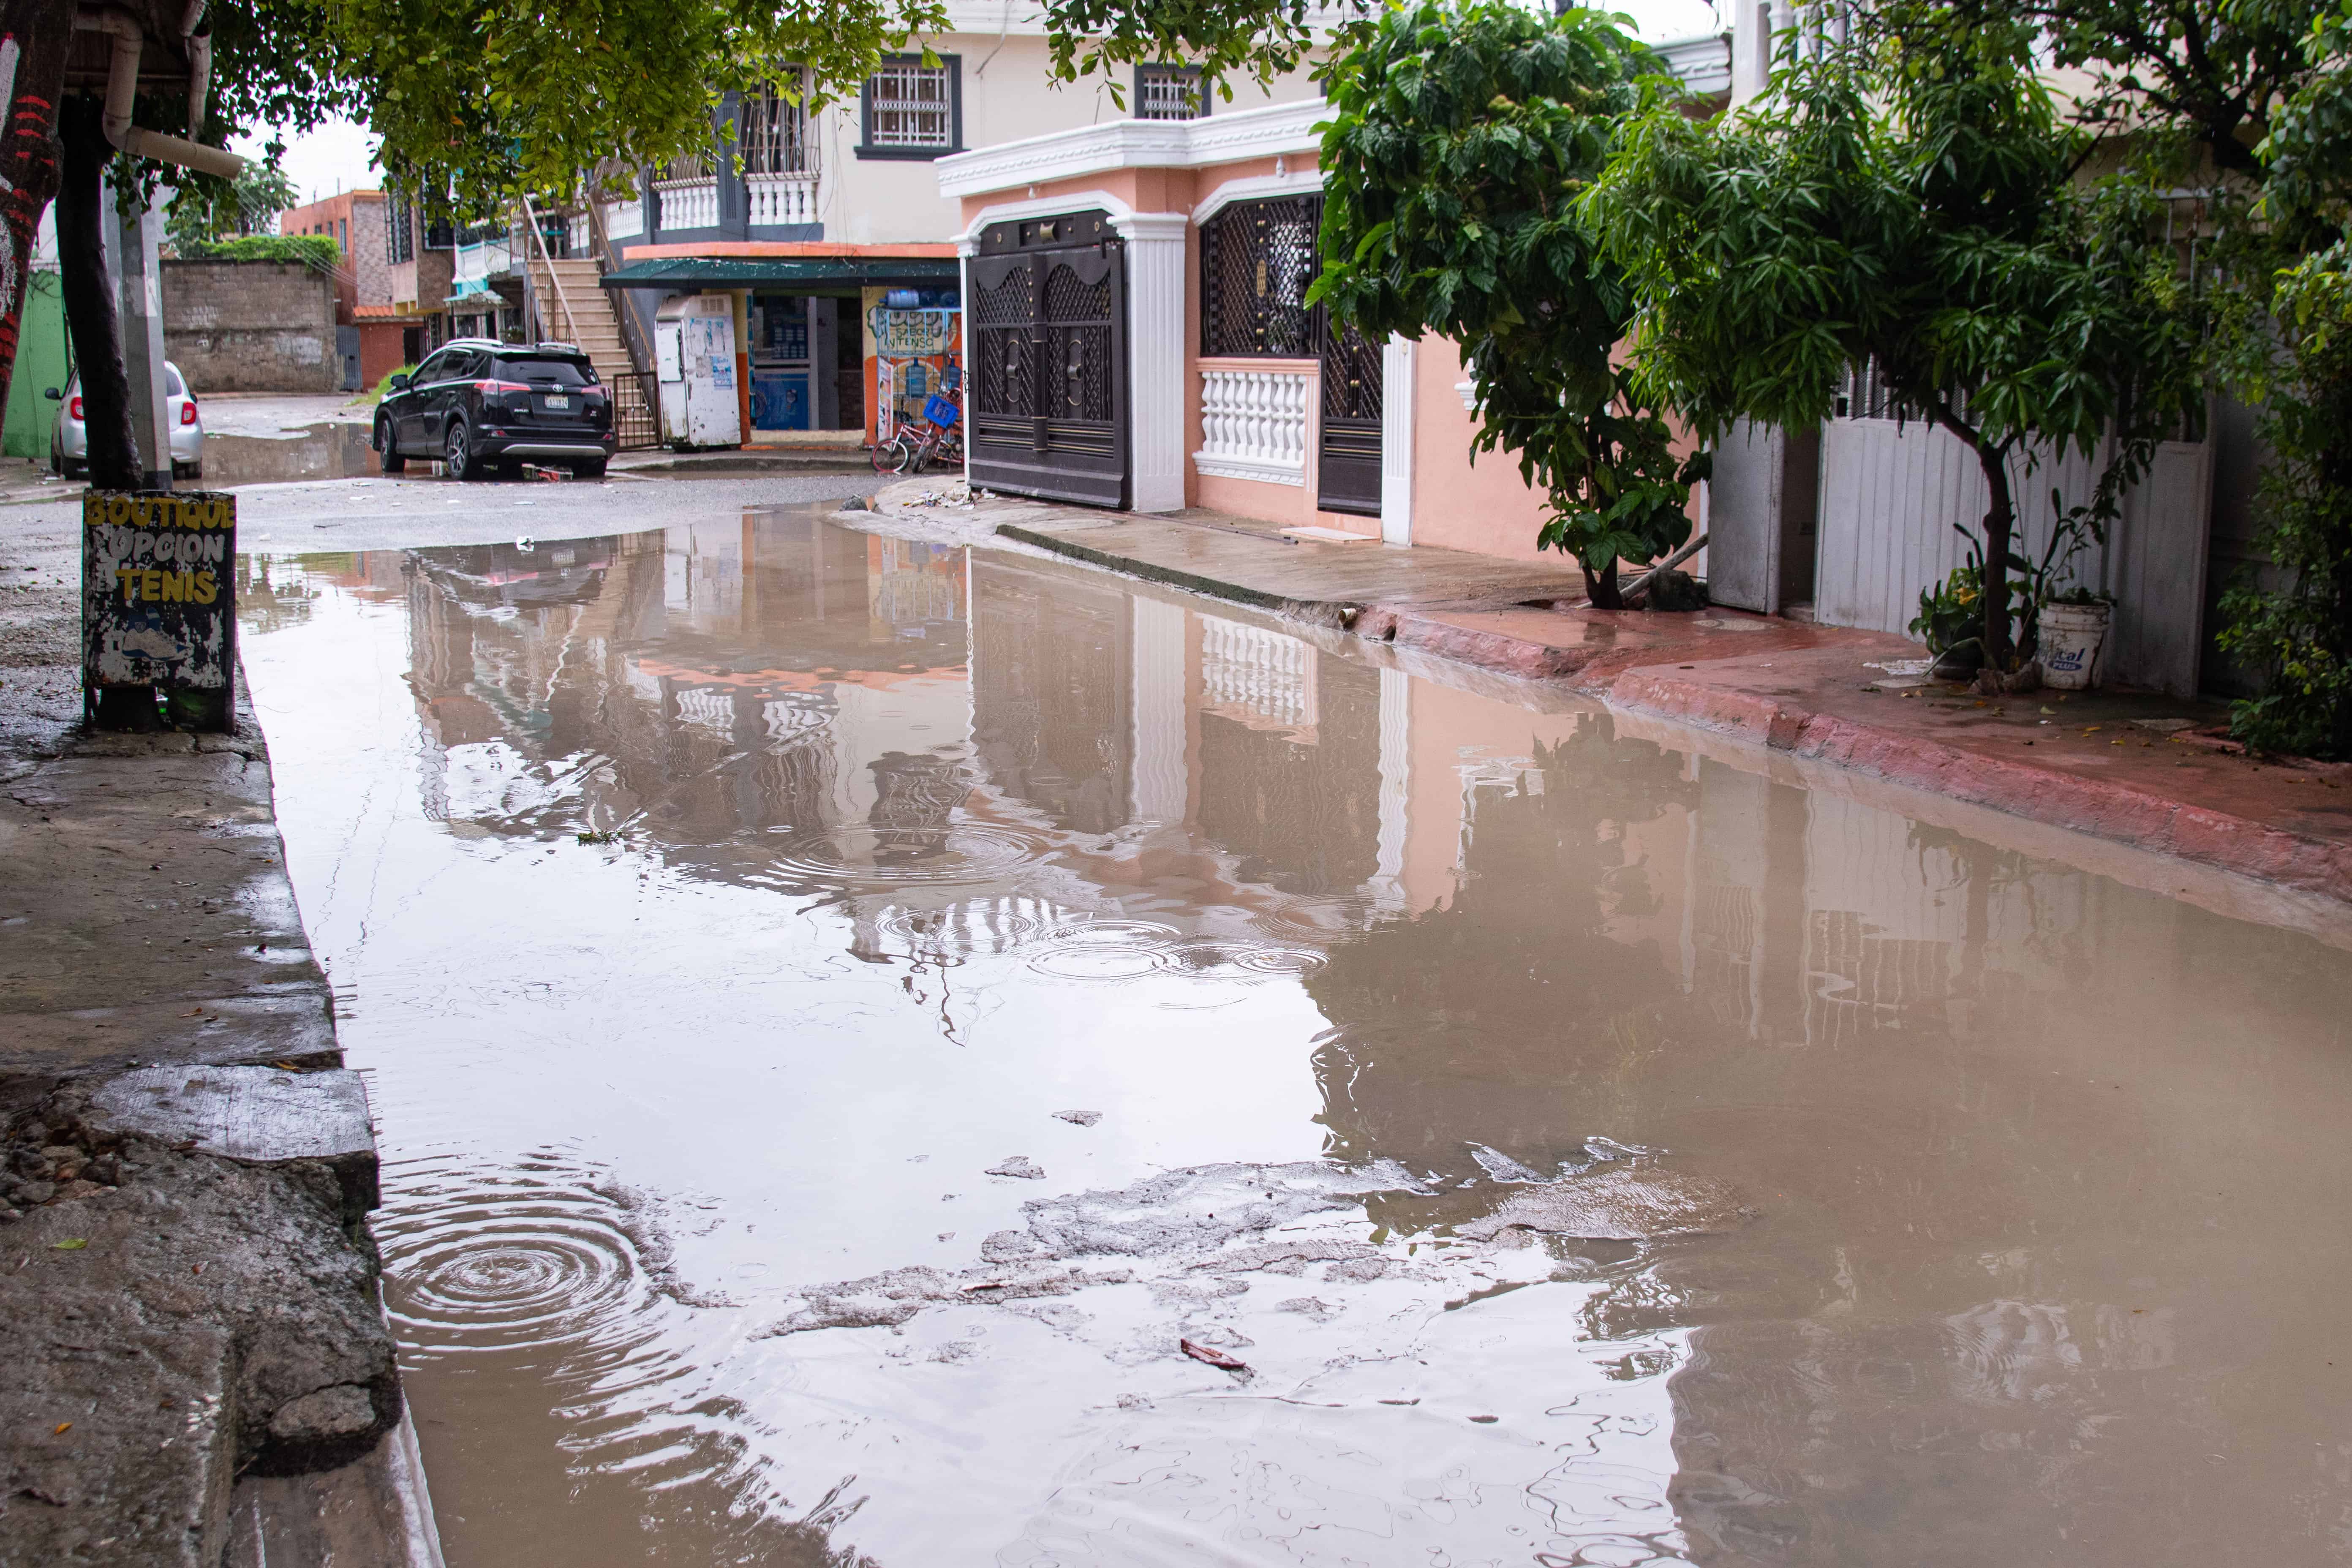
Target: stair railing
x=538 y=238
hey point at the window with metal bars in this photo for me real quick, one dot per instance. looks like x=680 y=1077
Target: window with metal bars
x=400 y=233
x=773 y=132
x=1169 y=92
x=910 y=109
x=1257 y=261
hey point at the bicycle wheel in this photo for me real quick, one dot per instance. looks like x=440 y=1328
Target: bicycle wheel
x=891 y=457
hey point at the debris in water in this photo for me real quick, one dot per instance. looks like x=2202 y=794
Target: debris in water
x=1501 y=1166
x=1618 y=1205
x=1020 y=1166
x=1081 y=1118
x=1213 y=1355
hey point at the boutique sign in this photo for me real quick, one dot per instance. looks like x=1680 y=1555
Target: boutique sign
x=158 y=607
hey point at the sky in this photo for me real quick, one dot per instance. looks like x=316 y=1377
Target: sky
x=337 y=156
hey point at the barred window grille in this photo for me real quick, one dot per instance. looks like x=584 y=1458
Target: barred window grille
x=1257 y=261
x=774 y=133
x=910 y=104
x=400 y=233
x=1169 y=92
x=692 y=166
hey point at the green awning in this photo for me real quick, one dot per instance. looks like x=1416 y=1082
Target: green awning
x=768 y=271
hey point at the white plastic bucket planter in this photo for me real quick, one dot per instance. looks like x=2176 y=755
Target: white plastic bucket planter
x=2068 y=648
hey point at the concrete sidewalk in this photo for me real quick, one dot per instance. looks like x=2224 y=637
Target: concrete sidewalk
x=2149 y=771
x=199 y=1368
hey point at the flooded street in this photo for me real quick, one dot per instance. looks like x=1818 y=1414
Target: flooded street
x=887 y=1055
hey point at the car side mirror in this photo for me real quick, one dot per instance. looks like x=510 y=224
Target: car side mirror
x=400 y=383
x=54 y=395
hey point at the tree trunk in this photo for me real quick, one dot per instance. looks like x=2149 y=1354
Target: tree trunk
x=1601 y=589
x=2000 y=522
x=35 y=36
x=82 y=216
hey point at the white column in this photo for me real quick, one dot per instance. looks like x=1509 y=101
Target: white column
x=1396 y=441
x=1155 y=358
x=1161 y=779
x=966 y=248
x=1396 y=784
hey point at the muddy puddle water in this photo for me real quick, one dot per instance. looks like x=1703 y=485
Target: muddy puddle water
x=891 y=1056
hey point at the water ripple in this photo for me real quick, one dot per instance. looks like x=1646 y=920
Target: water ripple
x=955 y=852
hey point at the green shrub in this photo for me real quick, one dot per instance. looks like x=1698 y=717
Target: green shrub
x=315 y=251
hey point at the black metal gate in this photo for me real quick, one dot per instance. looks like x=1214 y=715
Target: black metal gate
x=1048 y=316
x=1348 y=465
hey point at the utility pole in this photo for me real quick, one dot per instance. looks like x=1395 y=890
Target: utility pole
x=134 y=239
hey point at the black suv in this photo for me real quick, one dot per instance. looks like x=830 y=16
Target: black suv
x=476 y=404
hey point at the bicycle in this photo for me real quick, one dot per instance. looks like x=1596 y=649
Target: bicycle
x=939 y=440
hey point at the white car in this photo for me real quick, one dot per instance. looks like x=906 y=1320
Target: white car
x=70 y=442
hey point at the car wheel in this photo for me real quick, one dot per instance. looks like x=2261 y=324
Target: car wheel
x=387 y=455
x=594 y=470
x=57 y=462
x=457 y=453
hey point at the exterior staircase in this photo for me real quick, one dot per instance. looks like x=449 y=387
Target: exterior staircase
x=573 y=308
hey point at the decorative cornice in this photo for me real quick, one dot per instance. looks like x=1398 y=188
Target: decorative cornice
x=1703 y=63
x=1254 y=187
x=968 y=242
x=1276 y=128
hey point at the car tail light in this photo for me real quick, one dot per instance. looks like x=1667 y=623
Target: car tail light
x=497 y=387
x=73 y=409
x=188 y=412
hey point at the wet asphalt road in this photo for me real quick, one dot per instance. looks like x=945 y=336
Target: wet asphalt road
x=392 y=513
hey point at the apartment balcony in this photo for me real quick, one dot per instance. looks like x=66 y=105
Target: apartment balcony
x=687 y=205
x=772 y=201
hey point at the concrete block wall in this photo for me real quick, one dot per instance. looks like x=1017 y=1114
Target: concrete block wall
x=250 y=326
x=369 y=260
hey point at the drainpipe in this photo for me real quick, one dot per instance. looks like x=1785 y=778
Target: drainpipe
x=199 y=46
x=122 y=86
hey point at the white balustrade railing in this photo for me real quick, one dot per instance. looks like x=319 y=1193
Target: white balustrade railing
x=687 y=203
x=624 y=220
x=1264 y=678
x=478 y=262
x=1253 y=425
x=781 y=198
x=579 y=228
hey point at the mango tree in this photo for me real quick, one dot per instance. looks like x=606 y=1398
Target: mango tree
x=1459 y=140
x=1909 y=199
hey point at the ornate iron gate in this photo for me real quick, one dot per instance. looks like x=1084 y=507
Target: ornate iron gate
x=1048 y=314
x=1257 y=260
x=1348 y=459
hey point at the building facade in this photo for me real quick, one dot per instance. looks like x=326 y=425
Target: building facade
x=826 y=226
x=1141 y=337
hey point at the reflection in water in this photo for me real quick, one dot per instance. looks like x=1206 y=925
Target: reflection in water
x=1260 y=972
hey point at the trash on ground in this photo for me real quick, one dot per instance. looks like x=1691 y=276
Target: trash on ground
x=1020 y=1166
x=1213 y=1355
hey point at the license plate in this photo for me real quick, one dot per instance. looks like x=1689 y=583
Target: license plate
x=556 y=400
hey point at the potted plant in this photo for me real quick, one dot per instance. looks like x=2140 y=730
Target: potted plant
x=1948 y=613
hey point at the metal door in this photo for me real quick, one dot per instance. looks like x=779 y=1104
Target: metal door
x=1348 y=456
x=1048 y=318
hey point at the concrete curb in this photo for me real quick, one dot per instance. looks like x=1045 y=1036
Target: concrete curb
x=2120 y=813
x=1319 y=611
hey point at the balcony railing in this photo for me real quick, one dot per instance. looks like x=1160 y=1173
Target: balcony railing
x=687 y=203
x=624 y=220
x=478 y=262
x=1253 y=426
x=781 y=198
